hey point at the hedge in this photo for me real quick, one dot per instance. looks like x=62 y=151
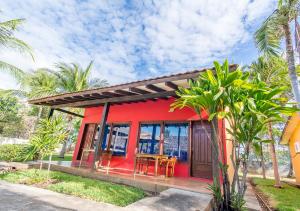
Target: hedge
x=13 y=152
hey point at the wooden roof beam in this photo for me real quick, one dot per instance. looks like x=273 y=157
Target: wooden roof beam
x=111 y=94
x=155 y=88
x=139 y=91
x=118 y=99
x=69 y=112
x=123 y=92
x=171 y=85
x=83 y=98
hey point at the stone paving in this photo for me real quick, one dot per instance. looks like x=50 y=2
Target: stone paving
x=22 y=197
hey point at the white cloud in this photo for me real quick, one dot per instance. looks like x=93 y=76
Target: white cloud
x=133 y=41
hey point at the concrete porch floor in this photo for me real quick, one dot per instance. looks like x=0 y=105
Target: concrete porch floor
x=145 y=182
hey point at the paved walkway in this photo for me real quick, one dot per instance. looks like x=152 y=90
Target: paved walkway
x=171 y=200
x=22 y=197
x=251 y=201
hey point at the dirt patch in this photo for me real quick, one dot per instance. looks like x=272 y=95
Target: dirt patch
x=264 y=201
x=46 y=183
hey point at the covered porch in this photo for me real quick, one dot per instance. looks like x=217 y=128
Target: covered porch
x=148 y=183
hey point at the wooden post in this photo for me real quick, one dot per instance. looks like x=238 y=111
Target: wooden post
x=50 y=113
x=98 y=150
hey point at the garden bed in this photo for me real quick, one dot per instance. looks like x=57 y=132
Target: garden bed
x=55 y=157
x=282 y=199
x=96 y=190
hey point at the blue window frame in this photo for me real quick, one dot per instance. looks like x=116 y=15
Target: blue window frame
x=106 y=137
x=176 y=140
x=149 y=138
x=116 y=139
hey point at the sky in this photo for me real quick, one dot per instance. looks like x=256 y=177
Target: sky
x=134 y=40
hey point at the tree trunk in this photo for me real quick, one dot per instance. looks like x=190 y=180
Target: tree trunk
x=64 y=146
x=38 y=118
x=273 y=156
x=69 y=145
x=63 y=150
x=263 y=163
x=215 y=150
x=291 y=63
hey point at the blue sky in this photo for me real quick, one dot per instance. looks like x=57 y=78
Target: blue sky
x=133 y=40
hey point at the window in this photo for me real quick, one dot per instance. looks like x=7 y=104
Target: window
x=116 y=141
x=119 y=139
x=149 y=138
x=176 y=140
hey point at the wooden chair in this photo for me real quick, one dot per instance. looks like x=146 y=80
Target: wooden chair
x=141 y=162
x=106 y=157
x=168 y=164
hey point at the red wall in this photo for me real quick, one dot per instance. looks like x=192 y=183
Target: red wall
x=135 y=113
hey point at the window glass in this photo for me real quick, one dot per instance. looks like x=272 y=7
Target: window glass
x=119 y=139
x=149 y=138
x=176 y=140
x=106 y=137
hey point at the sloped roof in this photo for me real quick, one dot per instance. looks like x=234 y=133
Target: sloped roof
x=142 y=90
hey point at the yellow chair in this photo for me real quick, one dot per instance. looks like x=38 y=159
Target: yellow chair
x=168 y=163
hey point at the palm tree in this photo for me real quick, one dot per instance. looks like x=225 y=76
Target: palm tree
x=273 y=71
x=8 y=40
x=73 y=78
x=276 y=27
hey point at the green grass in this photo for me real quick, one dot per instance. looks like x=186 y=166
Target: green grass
x=96 y=190
x=286 y=198
x=68 y=157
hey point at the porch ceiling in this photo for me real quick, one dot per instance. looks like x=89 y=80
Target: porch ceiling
x=150 y=89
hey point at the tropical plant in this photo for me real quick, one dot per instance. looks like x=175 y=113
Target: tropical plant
x=11 y=120
x=48 y=135
x=274 y=71
x=276 y=27
x=247 y=105
x=73 y=78
x=13 y=152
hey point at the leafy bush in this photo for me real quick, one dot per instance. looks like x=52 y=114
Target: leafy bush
x=48 y=135
x=13 y=152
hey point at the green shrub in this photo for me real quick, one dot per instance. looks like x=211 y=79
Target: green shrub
x=13 y=152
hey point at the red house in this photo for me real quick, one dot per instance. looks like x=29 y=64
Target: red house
x=133 y=120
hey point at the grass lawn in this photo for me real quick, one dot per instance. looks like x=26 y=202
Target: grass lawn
x=68 y=157
x=286 y=198
x=96 y=190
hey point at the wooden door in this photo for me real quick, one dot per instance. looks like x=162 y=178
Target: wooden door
x=201 y=159
x=87 y=140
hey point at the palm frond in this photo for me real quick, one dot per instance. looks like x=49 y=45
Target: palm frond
x=98 y=83
x=268 y=36
x=13 y=92
x=12 y=70
x=15 y=43
x=11 y=24
x=7 y=38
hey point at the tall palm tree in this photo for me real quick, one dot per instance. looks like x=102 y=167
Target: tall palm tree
x=72 y=78
x=273 y=71
x=8 y=40
x=276 y=27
